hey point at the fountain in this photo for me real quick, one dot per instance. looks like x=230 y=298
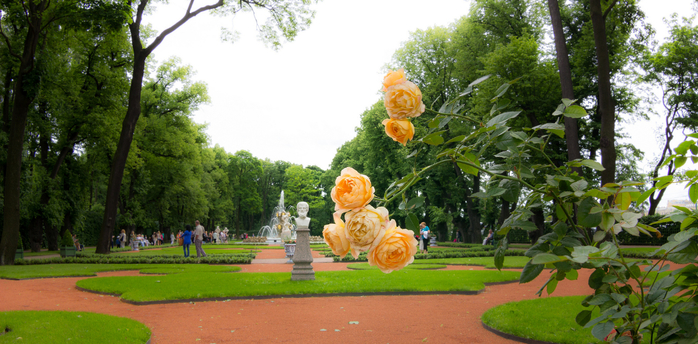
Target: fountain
x=280 y=227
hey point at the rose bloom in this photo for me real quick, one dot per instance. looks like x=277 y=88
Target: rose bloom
x=393 y=78
x=403 y=101
x=395 y=251
x=352 y=191
x=365 y=228
x=400 y=130
x=335 y=237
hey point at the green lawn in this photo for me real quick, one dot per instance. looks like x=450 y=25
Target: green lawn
x=219 y=285
x=365 y=266
x=67 y=270
x=639 y=251
x=70 y=327
x=549 y=319
x=488 y=262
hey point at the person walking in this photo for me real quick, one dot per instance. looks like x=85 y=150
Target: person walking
x=424 y=231
x=122 y=238
x=186 y=240
x=199 y=239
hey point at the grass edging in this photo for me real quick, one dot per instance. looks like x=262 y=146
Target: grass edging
x=296 y=296
x=513 y=337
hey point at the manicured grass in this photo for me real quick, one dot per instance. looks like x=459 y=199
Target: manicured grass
x=639 y=251
x=219 y=285
x=365 y=266
x=67 y=270
x=488 y=262
x=549 y=319
x=70 y=327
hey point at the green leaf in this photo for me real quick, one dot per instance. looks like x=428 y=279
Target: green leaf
x=575 y=111
x=583 y=317
x=593 y=164
x=501 y=90
x=680 y=161
x=599 y=235
x=693 y=193
x=412 y=223
x=512 y=188
x=415 y=202
x=468 y=169
x=479 y=80
x=503 y=118
x=456 y=139
x=644 y=196
x=546 y=258
x=586 y=218
x=601 y=330
x=530 y=272
x=572 y=275
x=434 y=139
x=568 y=102
x=552 y=284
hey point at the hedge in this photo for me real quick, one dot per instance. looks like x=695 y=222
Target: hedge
x=435 y=255
x=217 y=259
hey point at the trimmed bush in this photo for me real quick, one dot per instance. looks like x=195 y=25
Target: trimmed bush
x=100 y=259
x=436 y=255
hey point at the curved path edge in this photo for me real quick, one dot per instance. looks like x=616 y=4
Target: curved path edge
x=263 y=297
x=513 y=337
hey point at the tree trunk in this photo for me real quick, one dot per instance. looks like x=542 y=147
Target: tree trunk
x=538 y=219
x=119 y=163
x=606 y=106
x=13 y=169
x=473 y=214
x=563 y=63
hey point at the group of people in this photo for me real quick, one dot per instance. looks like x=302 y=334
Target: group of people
x=197 y=236
x=136 y=240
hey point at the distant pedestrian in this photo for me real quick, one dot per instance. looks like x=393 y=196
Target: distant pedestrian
x=186 y=240
x=424 y=231
x=199 y=239
x=122 y=238
x=172 y=238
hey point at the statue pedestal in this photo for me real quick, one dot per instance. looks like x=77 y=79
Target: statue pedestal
x=302 y=258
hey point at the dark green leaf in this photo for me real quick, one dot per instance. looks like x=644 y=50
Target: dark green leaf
x=530 y=272
x=434 y=139
x=583 y=317
x=415 y=202
x=503 y=118
x=601 y=330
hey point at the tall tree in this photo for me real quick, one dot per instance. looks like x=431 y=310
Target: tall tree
x=563 y=64
x=673 y=67
x=607 y=108
x=32 y=19
x=286 y=19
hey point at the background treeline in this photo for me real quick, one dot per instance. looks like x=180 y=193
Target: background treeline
x=79 y=82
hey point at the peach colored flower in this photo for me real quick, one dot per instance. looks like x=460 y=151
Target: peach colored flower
x=403 y=101
x=335 y=237
x=400 y=130
x=395 y=251
x=351 y=191
x=393 y=78
x=365 y=228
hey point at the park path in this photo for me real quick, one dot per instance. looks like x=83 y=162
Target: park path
x=382 y=319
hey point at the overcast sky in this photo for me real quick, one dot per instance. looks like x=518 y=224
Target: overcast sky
x=301 y=103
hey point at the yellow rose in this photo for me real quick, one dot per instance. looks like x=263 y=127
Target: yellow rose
x=393 y=78
x=365 y=228
x=335 y=237
x=352 y=191
x=404 y=100
x=400 y=130
x=395 y=251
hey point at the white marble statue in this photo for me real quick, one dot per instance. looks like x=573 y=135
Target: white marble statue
x=302 y=220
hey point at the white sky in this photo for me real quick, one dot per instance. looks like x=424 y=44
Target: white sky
x=301 y=103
